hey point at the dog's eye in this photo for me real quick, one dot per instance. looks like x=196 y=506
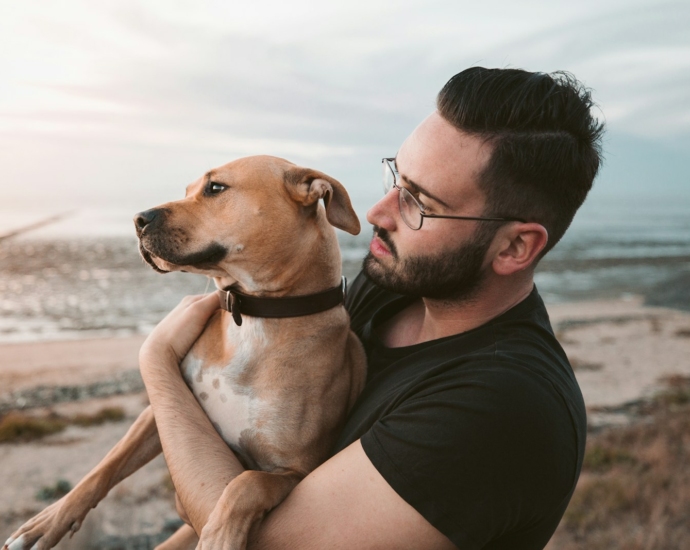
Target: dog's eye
x=213 y=188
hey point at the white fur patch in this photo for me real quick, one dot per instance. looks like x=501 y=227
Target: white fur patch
x=231 y=407
x=249 y=341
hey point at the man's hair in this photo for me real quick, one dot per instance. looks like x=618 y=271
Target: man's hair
x=546 y=145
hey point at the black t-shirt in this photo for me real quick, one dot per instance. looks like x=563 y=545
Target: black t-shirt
x=483 y=432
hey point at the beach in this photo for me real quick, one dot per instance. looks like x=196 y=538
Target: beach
x=76 y=307
x=140 y=508
x=621 y=352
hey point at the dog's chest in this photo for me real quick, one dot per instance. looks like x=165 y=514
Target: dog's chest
x=225 y=392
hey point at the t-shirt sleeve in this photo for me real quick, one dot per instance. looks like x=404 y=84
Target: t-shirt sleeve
x=477 y=457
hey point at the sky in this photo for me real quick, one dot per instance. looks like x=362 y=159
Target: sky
x=120 y=104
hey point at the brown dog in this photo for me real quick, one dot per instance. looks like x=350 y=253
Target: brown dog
x=276 y=389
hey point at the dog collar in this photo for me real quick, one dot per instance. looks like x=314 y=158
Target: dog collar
x=240 y=304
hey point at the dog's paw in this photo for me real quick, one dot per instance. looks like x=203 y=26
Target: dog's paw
x=219 y=533
x=46 y=529
x=14 y=543
x=19 y=543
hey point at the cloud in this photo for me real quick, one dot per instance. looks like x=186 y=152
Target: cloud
x=637 y=59
x=131 y=85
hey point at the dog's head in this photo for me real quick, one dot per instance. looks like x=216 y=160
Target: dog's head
x=241 y=217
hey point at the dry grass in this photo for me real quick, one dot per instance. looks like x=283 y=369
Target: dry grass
x=16 y=426
x=106 y=414
x=634 y=493
x=580 y=365
x=54 y=492
x=19 y=427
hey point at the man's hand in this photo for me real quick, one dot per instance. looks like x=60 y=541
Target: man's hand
x=173 y=337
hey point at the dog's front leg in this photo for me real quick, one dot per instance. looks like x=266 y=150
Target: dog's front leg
x=244 y=502
x=140 y=445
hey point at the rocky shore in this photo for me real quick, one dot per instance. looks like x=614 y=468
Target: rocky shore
x=46 y=396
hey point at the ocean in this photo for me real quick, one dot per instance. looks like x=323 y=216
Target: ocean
x=82 y=276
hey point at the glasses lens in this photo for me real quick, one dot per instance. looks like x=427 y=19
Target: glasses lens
x=410 y=210
x=388 y=176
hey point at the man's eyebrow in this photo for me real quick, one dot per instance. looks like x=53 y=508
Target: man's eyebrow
x=419 y=189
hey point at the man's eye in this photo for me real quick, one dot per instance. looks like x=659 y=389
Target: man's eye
x=416 y=196
x=214 y=188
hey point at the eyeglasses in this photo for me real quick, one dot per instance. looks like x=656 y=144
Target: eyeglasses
x=411 y=211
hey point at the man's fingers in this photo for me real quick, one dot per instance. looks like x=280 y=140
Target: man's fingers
x=191 y=299
x=197 y=305
x=210 y=302
x=204 y=306
x=180 y=328
x=191 y=315
x=202 y=299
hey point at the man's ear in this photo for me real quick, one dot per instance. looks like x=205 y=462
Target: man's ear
x=519 y=247
x=307 y=186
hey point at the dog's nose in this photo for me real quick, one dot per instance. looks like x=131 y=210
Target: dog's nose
x=142 y=219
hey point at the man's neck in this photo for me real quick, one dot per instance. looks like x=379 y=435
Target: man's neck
x=426 y=319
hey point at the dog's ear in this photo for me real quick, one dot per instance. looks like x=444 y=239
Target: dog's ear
x=307 y=186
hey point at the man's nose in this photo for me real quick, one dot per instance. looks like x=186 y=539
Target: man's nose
x=386 y=212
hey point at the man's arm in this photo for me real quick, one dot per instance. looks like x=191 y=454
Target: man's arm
x=200 y=462
x=345 y=503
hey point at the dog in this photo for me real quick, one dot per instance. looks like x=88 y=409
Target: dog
x=278 y=368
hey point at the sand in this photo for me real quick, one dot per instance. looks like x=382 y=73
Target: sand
x=620 y=350
x=66 y=363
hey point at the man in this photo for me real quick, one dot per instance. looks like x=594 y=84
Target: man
x=470 y=431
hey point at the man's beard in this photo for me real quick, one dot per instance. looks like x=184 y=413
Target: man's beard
x=454 y=275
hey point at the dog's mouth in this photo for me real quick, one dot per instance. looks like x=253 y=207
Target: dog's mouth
x=205 y=259
x=148 y=258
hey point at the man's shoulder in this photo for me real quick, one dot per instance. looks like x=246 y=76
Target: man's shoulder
x=513 y=363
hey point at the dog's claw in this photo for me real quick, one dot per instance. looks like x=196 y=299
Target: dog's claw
x=74 y=528
x=15 y=544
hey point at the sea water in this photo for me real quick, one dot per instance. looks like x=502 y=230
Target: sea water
x=83 y=277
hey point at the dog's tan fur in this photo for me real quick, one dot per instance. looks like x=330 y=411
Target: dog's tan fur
x=277 y=390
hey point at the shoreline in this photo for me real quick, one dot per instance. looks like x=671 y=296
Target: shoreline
x=620 y=350
x=81 y=288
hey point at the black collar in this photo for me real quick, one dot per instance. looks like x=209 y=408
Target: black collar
x=240 y=304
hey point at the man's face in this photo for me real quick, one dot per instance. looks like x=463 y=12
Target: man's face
x=445 y=259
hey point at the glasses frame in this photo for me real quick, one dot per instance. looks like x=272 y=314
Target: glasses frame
x=404 y=194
